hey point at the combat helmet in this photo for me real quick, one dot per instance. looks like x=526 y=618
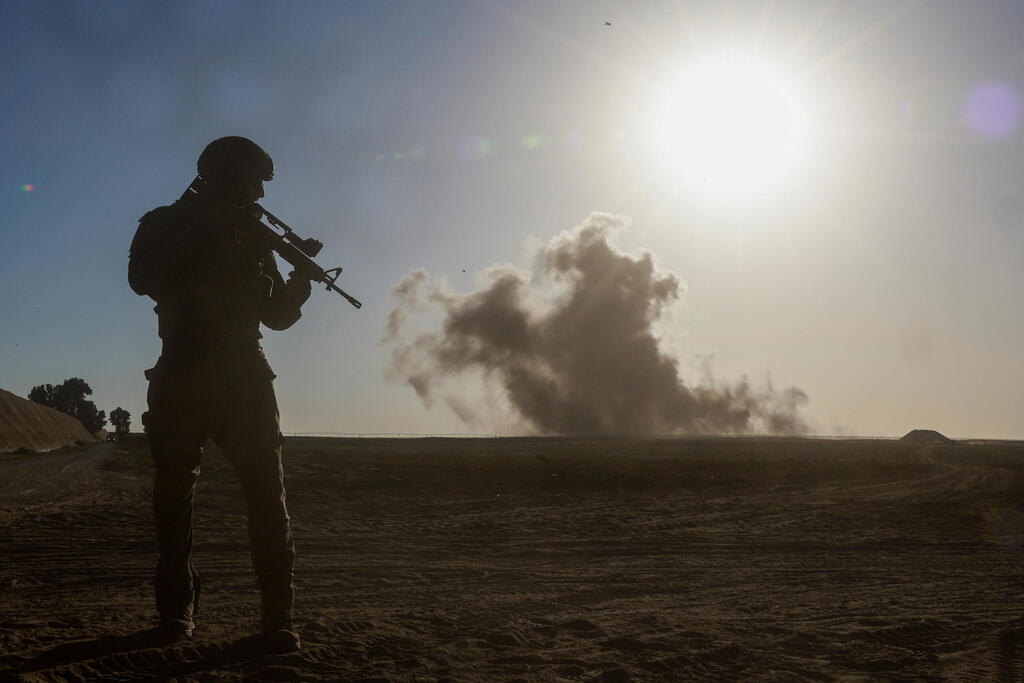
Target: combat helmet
x=230 y=160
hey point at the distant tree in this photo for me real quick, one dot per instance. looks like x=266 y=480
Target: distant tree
x=43 y=395
x=121 y=419
x=93 y=419
x=69 y=397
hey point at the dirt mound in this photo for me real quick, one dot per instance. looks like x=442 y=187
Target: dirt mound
x=926 y=437
x=24 y=424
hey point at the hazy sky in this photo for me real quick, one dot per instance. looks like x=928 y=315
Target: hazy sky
x=881 y=275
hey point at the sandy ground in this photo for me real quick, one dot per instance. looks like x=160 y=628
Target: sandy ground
x=26 y=425
x=539 y=560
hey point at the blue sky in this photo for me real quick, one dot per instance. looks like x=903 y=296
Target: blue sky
x=884 y=280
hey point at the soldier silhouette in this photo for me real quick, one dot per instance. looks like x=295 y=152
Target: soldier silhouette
x=213 y=285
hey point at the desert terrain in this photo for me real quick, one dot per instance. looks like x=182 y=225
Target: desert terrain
x=25 y=425
x=539 y=560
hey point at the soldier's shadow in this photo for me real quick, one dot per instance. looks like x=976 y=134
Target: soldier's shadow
x=1011 y=653
x=149 y=650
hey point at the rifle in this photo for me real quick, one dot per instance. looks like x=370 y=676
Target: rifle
x=295 y=250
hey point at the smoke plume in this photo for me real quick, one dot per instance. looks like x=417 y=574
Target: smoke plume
x=584 y=360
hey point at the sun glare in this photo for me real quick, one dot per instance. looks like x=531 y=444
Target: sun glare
x=729 y=128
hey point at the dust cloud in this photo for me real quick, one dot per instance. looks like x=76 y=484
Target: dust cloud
x=570 y=349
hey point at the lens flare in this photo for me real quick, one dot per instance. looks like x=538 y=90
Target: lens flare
x=993 y=110
x=475 y=147
x=28 y=188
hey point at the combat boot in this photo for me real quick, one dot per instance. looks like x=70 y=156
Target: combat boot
x=279 y=636
x=172 y=632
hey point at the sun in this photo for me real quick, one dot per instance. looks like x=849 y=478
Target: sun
x=729 y=127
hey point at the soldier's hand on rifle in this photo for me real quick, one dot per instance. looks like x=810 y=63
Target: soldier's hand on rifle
x=298 y=288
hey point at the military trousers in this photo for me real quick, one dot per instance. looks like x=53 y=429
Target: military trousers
x=227 y=396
